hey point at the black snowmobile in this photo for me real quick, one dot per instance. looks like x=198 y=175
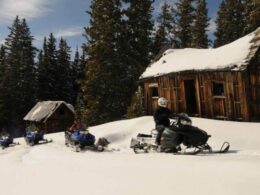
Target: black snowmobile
x=180 y=132
x=36 y=137
x=82 y=140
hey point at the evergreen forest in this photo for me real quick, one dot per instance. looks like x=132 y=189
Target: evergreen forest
x=101 y=78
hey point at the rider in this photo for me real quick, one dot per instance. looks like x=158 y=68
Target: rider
x=6 y=136
x=77 y=125
x=161 y=117
x=167 y=139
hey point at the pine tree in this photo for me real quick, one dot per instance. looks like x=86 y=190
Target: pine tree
x=48 y=71
x=234 y=19
x=199 y=33
x=252 y=15
x=136 y=53
x=2 y=63
x=240 y=19
x=52 y=66
x=165 y=33
x=139 y=27
x=102 y=97
x=74 y=75
x=185 y=17
x=78 y=68
x=81 y=69
x=230 y=22
x=4 y=112
x=63 y=81
x=39 y=65
x=221 y=23
x=82 y=66
x=43 y=76
x=21 y=67
x=136 y=107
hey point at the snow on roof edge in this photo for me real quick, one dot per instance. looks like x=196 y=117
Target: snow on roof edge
x=232 y=56
x=44 y=109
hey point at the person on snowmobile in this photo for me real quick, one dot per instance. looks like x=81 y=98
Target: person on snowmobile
x=6 y=138
x=5 y=133
x=77 y=125
x=161 y=117
x=167 y=139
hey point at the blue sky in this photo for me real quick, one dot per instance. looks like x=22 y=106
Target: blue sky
x=65 y=18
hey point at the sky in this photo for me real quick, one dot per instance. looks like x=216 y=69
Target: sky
x=64 y=18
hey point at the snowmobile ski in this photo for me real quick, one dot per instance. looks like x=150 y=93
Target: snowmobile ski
x=224 y=149
x=78 y=148
x=208 y=150
x=44 y=141
x=10 y=145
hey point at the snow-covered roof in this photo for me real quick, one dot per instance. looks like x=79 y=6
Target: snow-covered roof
x=43 y=110
x=233 y=56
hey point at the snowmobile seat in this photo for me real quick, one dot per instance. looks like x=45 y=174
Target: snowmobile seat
x=143 y=135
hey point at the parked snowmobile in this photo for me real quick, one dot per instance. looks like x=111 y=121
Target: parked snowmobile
x=35 y=137
x=179 y=132
x=82 y=140
x=6 y=141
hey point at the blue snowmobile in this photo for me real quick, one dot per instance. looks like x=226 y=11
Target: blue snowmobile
x=6 y=141
x=35 y=137
x=80 y=140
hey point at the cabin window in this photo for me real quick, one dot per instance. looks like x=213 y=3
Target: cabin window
x=218 y=89
x=61 y=112
x=154 y=91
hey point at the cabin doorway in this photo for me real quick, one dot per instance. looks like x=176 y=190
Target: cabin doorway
x=152 y=97
x=190 y=96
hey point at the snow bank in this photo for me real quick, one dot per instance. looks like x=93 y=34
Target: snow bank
x=228 y=56
x=55 y=169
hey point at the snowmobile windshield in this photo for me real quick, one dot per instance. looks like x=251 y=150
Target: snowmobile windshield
x=185 y=122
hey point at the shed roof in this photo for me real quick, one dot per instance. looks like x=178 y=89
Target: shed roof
x=43 y=110
x=233 y=56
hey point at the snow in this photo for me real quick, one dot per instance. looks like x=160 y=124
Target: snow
x=55 y=169
x=230 y=56
x=36 y=111
x=43 y=110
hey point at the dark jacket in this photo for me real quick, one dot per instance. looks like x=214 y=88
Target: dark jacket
x=161 y=116
x=162 y=119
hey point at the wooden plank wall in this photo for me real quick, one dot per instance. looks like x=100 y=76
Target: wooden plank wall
x=255 y=92
x=232 y=105
x=253 y=86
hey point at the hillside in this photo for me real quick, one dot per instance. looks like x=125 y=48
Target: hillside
x=54 y=169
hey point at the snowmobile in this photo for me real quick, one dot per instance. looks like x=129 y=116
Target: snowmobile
x=6 y=141
x=82 y=140
x=35 y=137
x=180 y=132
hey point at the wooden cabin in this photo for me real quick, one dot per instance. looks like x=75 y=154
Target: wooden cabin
x=51 y=116
x=220 y=83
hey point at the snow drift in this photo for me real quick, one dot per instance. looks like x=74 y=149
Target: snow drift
x=55 y=169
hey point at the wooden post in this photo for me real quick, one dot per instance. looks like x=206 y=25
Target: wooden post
x=197 y=89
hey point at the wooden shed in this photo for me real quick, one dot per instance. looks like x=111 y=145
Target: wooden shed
x=221 y=83
x=52 y=116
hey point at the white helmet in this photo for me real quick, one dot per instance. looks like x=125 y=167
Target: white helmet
x=162 y=102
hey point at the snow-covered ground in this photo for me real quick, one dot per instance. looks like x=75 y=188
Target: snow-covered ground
x=53 y=169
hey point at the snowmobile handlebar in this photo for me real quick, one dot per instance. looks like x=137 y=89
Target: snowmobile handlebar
x=180 y=119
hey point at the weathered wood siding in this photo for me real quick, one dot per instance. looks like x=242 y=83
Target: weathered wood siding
x=60 y=120
x=254 y=88
x=230 y=101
